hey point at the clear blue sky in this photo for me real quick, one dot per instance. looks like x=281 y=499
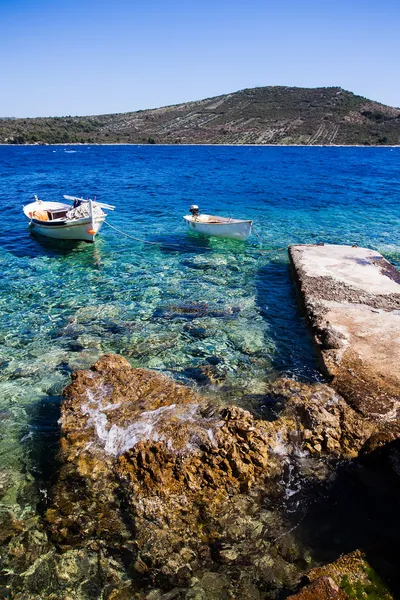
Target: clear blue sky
x=70 y=57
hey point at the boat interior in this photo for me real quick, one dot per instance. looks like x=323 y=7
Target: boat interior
x=51 y=214
x=210 y=219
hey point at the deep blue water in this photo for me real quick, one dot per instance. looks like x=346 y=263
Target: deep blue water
x=62 y=305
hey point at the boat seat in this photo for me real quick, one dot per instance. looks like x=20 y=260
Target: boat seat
x=40 y=215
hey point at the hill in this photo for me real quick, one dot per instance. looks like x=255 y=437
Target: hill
x=267 y=115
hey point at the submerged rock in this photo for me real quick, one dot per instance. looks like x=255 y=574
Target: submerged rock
x=194 y=310
x=33 y=569
x=213 y=371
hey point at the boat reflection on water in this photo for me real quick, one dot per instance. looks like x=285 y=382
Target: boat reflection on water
x=58 y=248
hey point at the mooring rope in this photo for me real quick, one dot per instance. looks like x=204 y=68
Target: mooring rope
x=167 y=244
x=265 y=242
x=257 y=235
x=138 y=239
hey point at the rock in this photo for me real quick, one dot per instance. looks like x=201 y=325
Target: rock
x=9 y=525
x=148 y=468
x=32 y=568
x=348 y=577
x=211 y=586
x=88 y=341
x=12 y=484
x=352 y=298
x=323 y=588
x=194 y=310
x=41 y=574
x=95 y=313
x=196 y=331
x=213 y=371
x=150 y=344
x=228 y=555
x=327 y=424
x=74 y=566
x=207 y=263
x=385 y=434
x=26 y=553
x=247 y=338
x=172 y=485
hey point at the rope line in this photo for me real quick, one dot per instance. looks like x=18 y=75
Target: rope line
x=132 y=237
x=138 y=239
x=257 y=235
x=265 y=242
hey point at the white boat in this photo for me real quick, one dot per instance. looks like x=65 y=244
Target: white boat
x=80 y=221
x=236 y=229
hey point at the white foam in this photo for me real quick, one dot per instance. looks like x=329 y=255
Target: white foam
x=116 y=440
x=280 y=448
x=97 y=417
x=121 y=439
x=211 y=437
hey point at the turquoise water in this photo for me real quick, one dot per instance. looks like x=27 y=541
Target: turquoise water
x=186 y=305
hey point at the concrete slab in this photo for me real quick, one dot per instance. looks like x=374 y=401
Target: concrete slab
x=351 y=297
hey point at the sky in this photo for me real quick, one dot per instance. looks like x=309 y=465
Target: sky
x=81 y=57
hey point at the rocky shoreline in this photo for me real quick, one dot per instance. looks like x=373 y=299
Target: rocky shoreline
x=161 y=494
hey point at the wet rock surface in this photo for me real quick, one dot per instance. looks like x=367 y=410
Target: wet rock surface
x=351 y=576
x=352 y=298
x=323 y=588
x=163 y=493
x=181 y=492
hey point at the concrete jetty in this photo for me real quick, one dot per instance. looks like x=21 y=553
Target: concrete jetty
x=351 y=297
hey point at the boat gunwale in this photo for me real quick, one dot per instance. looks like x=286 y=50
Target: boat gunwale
x=66 y=223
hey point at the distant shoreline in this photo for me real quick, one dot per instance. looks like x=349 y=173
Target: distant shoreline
x=215 y=145
x=260 y=116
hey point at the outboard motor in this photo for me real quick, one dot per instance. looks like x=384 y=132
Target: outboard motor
x=194 y=209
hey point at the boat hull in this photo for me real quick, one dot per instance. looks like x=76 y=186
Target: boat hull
x=69 y=230
x=236 y=230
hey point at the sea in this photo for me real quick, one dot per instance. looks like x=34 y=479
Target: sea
x=161 y=296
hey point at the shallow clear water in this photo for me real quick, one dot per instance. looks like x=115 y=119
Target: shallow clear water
x=187 y=301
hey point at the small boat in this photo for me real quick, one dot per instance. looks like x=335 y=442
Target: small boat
x=236 y=229
x=81 y=220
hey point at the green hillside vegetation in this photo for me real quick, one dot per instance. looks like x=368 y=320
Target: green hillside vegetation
x=267 y=115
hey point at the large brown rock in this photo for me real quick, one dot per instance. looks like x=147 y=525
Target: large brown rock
x=174 y=485
x=147 y=465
